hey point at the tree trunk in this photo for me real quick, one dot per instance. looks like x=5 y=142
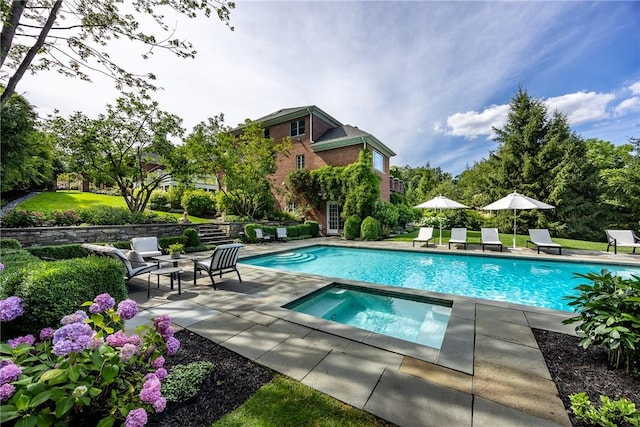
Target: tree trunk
x=9 y=29
x=26 y=62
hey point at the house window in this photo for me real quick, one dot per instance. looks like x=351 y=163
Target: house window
x=297 y=127
x=378 y=161
x=266 y=133
x=300 y=161
x=291 y=206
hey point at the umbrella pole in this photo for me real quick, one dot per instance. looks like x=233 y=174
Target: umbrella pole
x=515 y=227
x=440 y=221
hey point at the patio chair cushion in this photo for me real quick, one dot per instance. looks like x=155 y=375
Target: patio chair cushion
x=136 y=259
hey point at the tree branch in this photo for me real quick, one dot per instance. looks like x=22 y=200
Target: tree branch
x=9 y=29
x=26 y=62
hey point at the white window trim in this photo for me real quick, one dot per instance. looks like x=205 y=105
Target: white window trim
x=381 y=169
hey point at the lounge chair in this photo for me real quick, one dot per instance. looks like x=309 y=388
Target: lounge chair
x=281 y=233
x=146 y=246
x=261 y=236
x=490 y=237
x=130 y=270
x=223 y=260
x=458 y=237
x=424 y=235
x=625 y=238
x=541 y=238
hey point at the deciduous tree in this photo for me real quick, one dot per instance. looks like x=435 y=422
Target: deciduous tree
x=71 y=37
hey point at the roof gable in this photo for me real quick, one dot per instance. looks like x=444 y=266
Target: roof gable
x=347 y=135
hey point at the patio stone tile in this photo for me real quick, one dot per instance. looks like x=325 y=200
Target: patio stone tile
x=345 y=377
x=551 y=323
x=518 y=390
x=506 y=331
x=259 y=318
x=387 y=358
x=456 y=351
x=437 y=374
x=490 y=414
x=293 y=329
x=184 y=313
x=323 y=339
x=500 y=314
x=411 y=402
x=221 y=327
x=293 y=357
x=255 y=341
x=515 y=357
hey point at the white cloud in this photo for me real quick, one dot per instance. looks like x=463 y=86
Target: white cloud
x=473 y=124
x=581 y=107
x=627 y=106
x=635 y=88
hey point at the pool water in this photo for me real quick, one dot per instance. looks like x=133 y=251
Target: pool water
x=537 y=283
x=410 y=319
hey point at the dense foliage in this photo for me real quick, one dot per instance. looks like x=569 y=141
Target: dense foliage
x=609 y=315
x=352 y=227
x=104 y=215
x=370 y=229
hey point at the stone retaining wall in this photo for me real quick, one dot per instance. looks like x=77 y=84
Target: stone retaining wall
x=44 y=236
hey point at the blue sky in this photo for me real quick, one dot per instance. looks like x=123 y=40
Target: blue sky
x=428 y=79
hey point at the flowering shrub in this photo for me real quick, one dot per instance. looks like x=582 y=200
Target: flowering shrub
x=88 y=371
x=15 y=219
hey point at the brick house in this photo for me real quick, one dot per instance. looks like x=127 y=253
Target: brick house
x=317 y=140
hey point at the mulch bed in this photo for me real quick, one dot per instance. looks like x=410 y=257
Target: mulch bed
x=576 y=370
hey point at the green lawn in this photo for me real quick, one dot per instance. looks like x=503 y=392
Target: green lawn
x=285 y=402
x=63 y=200
x=473 y=237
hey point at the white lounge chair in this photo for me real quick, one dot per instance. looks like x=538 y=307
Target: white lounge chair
x=223 y=260
x=458 y=237
x=146 y=246
x=541 y=238
x=424 y=235
x=281 y=233
x=625 y=238
x=490 y=237
x=261 y=236
x=130 y=270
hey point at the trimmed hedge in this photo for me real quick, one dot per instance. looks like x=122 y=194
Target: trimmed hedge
x=352 y=227
x=370 y=229
x=10 y=244
x=193 y=239
x=58 y=252
x=17 y=263
x=314 y=228
x=58 y=288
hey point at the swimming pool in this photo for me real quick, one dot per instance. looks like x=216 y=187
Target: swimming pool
x=537 y=283
x=419 y=320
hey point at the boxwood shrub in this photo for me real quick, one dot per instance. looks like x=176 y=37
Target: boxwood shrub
x=314 y=228
x=370 y=229
x=10 y=244
x=57 y=252
x=352 y=227
x=17 y=263
x=250 y=233
x=58 y=288
x=193 y=239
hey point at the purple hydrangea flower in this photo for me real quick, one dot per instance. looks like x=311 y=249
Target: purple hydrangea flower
x=27 y=339
x=136 y=418
x=134 y=339
x=150 y=390
x=158 y=362
x=9 y=372
x=127 y=309
x=163 y=326
x=10 y=308
x=117 y=339
x=95 y=342
x=128 y=351
x=161 y=373
x=172 y=346
x=6 y=391
x=160 y=404
x=102 y=303
x=1 y=266
x=76 y=317
x=74 y=337
x=47 y=333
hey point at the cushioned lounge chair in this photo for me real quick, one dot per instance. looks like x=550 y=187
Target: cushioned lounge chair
x=424 y=235
x=146 y=246
x=490 y=237
x=458 y=237
x=625 y=238
x=130 y=270
x=262 y=236
x=541 y=239
x=223 y=260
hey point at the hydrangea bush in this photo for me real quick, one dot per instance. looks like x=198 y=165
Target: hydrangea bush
x=86 y=372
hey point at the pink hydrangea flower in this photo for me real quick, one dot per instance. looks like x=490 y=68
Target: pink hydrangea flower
x=27 y=339
x=160 y=404
x=117 y=339
x=127 y=352
x=127 y=309
x=136 y=418
x=158 y=362
x=161 y=373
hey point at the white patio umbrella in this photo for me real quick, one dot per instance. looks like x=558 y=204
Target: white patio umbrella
x=516 y=201
x=440 y=202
